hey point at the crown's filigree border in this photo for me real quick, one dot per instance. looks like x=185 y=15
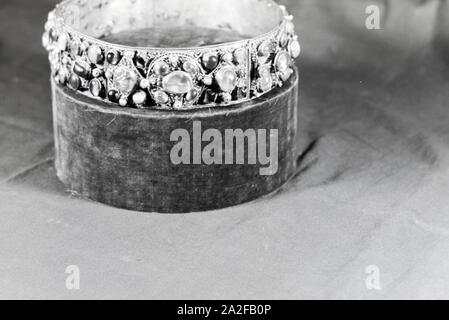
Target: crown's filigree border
x=177 y=79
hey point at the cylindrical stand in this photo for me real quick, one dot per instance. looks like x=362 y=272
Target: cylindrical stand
x=122 y=156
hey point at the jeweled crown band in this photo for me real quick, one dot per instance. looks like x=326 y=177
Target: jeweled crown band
x=170 y=78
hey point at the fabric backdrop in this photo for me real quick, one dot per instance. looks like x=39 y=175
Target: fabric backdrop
x=372 y=188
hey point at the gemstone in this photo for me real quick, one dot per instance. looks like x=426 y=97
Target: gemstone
x=62 y=75
x=113 y=95
x=190 y=67
x=161 y=68
x=125 y=79
x=95 y=87
x=286 y=75
x=294 y=48
x=178 y=82
x=282 y=61
x=161 y=97
x=62 y=42
x=74 y=82
x=265 y=82
x=210 y=61
x=192 y=95
x=240 y=56
x=94 y=54
x=82 y=69
x=283 y=40
x=53 y=34
x=139 y=97
x=265 y=48
x=75 y=48
x=113 y=57
x=226 y=79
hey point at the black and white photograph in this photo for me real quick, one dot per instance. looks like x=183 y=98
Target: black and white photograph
x=239 y=150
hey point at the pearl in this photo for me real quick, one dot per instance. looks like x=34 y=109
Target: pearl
x=62 y=42
x=74 y=82
x=228 y=57
x=282 y=61
x=265 y=81
x=178 y=104
x=290 y=27
x=161 y=68
x=45 y=40
x=129 y=54
x=161 y=97
x=283 y=40
x=139 y=98
x=190 y=67
x=62 y=75
x=226 y=79
x=82 y=69
x=192 y=95
x=286 y=75
x=227 y=97
x=95 y=54
x=208 y=80
x=124 y=79
x=152 y=79
x=113 y=57
x=294 y=48
x=210 y=61
x=123 y=102
x=144 y=83
x=108 y=74
x=174 y=60
x=95 y=87
x=178 y=82
x=53 y=34
x=265 y=48
x=240 y=56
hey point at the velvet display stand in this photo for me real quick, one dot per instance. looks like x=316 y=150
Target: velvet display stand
x=121 y=156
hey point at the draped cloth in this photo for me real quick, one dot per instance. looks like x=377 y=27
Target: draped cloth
x=372 y=190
